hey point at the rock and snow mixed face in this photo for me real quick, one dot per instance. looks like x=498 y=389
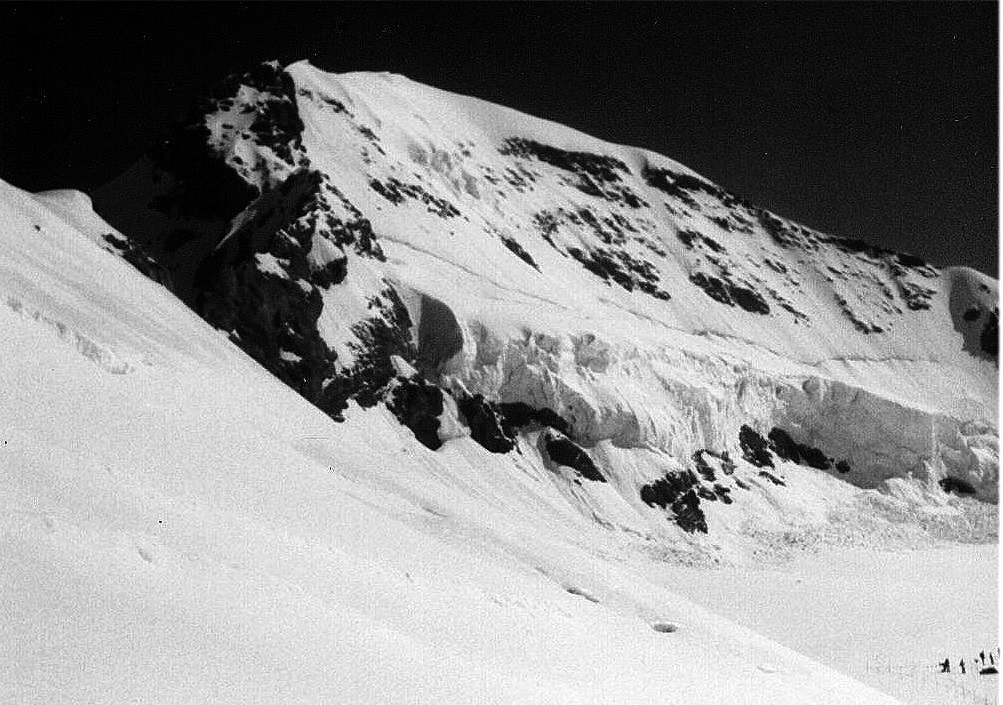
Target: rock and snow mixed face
x=179 y=526
x=531 y=277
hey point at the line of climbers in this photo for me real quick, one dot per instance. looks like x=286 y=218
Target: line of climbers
x=984 y=669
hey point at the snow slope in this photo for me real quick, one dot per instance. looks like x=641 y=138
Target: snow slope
x=178 y=526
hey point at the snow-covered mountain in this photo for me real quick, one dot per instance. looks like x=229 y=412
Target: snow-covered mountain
x=368 y=238
x=551 y=363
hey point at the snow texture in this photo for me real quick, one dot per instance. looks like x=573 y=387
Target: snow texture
x=446 y=372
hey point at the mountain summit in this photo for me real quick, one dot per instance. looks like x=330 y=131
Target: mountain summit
x=369 y=239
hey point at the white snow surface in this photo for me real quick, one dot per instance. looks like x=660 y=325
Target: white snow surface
x=179 y=527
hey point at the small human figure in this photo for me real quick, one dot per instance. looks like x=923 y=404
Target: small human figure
x=992 y=661
x=945 y=667
x=982 y=657
x=962 y=664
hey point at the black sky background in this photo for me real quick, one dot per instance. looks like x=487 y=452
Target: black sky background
x=877 y=121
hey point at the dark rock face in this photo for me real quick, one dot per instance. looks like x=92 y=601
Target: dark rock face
x=563 y=451
x=136 y=255
x=754 y=448
x=956 y=485
x=703 y=467
x=989 y=341
x=277 y=123
x=271 y=306
x=515 y=248
x=731 y=294
x=676 y=491
x=397 y=192
x=593 y=174
x=418 y=405
x=772 y=478
x=689 y=516
x=516 y=415
x=666 y=490
x=727 y=464
x=495 y=427
x=199 y=183
x=704 y=492
x=787 y=448
x=259 y=262
x=270 y=317
x=611 y=262
x=723 y=493
x=917 y=296
x=680 y=185
x=487 y=425
x=266 y=311
x=865 y=327
x=387 y=333
x=695 y=241
x=599 y=167
x=784 y=446
x=623 y=269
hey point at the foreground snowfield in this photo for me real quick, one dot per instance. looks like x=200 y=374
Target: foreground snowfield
x=179 y=527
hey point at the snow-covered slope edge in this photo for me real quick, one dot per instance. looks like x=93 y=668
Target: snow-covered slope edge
x=180 y=527
x=678 y=351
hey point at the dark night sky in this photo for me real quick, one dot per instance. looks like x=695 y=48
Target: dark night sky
x=876 y=121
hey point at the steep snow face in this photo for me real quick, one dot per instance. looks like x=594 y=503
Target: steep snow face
x=534 y=277
x=178 y=526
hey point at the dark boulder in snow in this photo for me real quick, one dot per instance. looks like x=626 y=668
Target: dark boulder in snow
x=665 y=627
x=723 y=493
x=689 y=516
x=517 y=414
x=755 y=449
x=772 y=478
x=418 y=405
x=989 y=341
x=676 y=491
x=486 y=424
x=956 y=485
x=495 y=425
x=730 y=293
x=787 y=448
x=563 y=451
x=664 y=491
